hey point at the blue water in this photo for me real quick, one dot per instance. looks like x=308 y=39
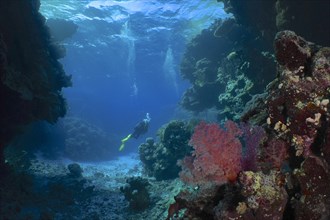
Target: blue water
x=125 y=59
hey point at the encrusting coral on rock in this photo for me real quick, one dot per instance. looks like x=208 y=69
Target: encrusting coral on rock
x=291 y=173
x=233 y=60
x=160 y=159
x=228 y=74
x=136 y=193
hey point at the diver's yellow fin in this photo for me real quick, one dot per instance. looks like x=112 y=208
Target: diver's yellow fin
x=123 y=141
x=126 y=138
x=122 y=147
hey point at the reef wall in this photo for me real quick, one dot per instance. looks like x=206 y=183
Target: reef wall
x=234 y=60
x=31 y=78
x=280 y=85
x=283 y=172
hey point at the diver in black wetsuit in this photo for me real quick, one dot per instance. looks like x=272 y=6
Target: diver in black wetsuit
x=140 y=129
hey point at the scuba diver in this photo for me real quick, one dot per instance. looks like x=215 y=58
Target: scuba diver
x=139 y=129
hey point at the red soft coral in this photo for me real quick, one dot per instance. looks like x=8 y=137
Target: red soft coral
x=217 y=155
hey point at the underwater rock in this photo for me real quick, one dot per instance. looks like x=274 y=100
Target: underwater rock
x=314 y=178
x=292 y=174
x=31 y=78
x=160 y=159
x=255 y=110
x=136 y=193
x=85 y=142
x=265 y=195
x=291 y=50
x=75 y=170
x=298 y=100
x=64 y=194
x=199 y=66
x=17 y=159
x=236 y=86
x=197 y=99
x=205 y=202
x=226 y=76
x=249 y=36
x=298 y=115
x=16 y=189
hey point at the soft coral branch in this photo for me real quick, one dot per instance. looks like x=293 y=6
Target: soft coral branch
x=217 y=155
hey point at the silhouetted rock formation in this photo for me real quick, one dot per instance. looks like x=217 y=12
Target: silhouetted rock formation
x=31 y=78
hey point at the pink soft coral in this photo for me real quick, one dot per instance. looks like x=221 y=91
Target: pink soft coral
x=217 y=155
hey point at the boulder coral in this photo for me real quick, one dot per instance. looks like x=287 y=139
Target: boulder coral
x=136 y=193
x=160 y=158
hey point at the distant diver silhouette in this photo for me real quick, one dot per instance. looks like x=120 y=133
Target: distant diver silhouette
x=139 y=129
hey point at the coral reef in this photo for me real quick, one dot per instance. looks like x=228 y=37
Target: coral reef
x=277 y=182
x=86 y=142
x=298 y=112
x=228 y=75
x=205 y=202
x=31 y=78
x=298 y=100
x=136 y=193
x=265 y=195
x=290 y=176
x=234 y=59
x=160 y=159
x=276 y=166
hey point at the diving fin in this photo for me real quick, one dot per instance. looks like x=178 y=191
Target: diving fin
x=123 y=141
x=121 y=146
